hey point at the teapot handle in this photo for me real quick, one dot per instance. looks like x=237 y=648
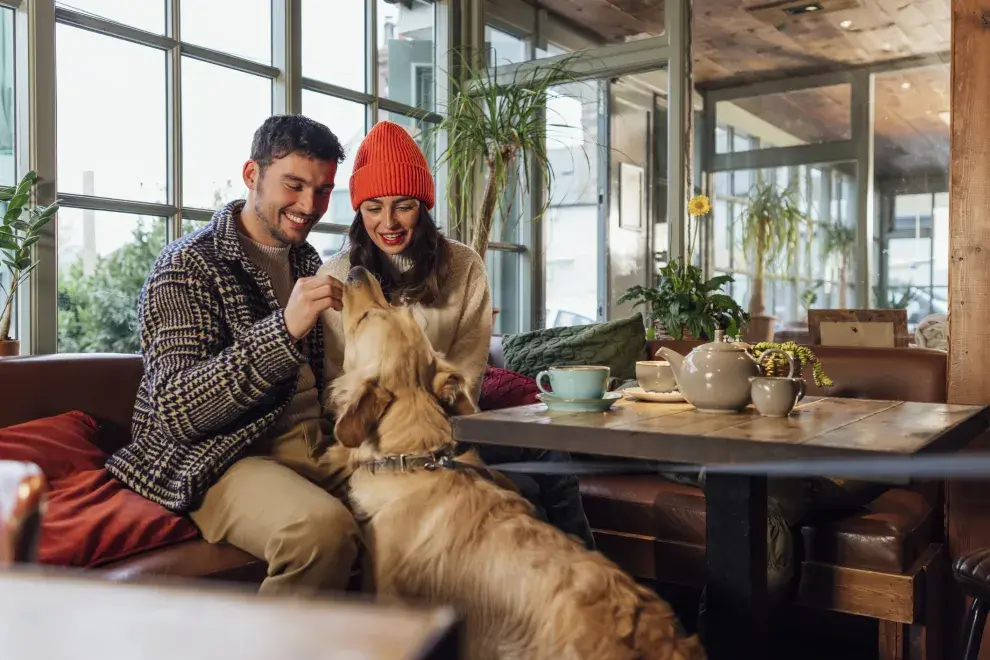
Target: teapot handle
x=777 y=351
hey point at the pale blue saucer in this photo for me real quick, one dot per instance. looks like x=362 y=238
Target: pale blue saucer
x=580 y=405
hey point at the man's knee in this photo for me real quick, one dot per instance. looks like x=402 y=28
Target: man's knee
x=320 y=534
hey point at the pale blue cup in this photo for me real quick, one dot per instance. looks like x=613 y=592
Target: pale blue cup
x=580 y=382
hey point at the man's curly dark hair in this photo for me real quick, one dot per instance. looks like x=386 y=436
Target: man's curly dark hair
x=281 y=135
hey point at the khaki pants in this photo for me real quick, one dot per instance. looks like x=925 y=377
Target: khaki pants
x=276 y=504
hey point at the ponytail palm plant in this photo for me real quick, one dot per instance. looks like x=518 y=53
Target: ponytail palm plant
x=771 y=228
x=497 y=131
x=839 y=241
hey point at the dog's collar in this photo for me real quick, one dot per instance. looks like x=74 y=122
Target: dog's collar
x=439 y=459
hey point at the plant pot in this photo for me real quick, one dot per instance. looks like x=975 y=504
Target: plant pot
x=759 y=329
x=10 y=347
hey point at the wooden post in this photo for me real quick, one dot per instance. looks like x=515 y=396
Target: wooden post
x=968 y=505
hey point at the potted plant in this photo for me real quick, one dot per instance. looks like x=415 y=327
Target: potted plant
x=771 y=230
x=777 y=365
x=839 y=242
x=17 y=235
x=683 y=304
x=496 y=132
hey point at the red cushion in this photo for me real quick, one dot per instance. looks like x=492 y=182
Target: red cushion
x=502 y=388
x=91 y=518
x=59 y=445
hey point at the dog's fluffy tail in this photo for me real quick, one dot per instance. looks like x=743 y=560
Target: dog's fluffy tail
x=658 y=635
x=621 y=619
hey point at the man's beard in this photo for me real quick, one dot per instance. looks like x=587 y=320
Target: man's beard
x=272 y=225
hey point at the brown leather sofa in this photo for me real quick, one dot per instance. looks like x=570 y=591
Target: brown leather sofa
x=884 y=562
x=105 y=386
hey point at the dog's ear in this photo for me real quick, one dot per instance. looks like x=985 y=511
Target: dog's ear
x=359 y=417
x=453 y=390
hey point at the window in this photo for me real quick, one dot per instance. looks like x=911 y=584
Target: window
x=503 y=48
x=147 y=15
x=341 y=60
x=405 y=52
x=103 y=261
x=8 y=173
x=347 y=121
x=338 y=92
x=238 y=27
x=216 y=136
x=111 y=97
x=114 y=148
x=824 y=193
x=571 y=228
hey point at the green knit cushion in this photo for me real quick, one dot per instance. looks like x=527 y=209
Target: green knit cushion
x=615 y=344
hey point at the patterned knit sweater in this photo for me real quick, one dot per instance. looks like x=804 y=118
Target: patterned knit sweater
x=459 y=324
x=219 y=365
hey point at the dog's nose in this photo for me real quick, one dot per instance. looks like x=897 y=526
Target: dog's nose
x=358 y=274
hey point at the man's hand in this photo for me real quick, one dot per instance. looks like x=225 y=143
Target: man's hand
x=310 y=297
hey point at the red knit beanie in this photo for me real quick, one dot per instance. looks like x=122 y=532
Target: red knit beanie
x=390 y=164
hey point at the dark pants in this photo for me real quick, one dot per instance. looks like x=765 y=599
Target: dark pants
x=557 y=498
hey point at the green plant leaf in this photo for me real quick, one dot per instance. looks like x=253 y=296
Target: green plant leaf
x=23 y=263
x=7 y=244
x=40 y=222
x=24 y=187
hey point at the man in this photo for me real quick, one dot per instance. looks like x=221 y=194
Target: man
x=227 y=423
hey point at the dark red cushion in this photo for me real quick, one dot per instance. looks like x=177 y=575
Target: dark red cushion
x=91 y=518
x=502 y=388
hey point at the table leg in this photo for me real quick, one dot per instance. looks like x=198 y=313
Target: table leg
x=735 y=618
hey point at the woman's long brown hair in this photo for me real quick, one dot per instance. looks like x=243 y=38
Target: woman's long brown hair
x=429 y=251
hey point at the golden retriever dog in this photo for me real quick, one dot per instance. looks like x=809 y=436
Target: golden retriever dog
x=450 y=535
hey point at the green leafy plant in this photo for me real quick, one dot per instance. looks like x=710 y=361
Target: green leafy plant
x=771 y=230
x=839 y=240
x=893 y=300
x=777 y=365
x=497 y=132
x=684 y=300
x=17 y=235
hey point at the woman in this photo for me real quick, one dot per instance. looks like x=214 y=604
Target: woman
x=394 y=237
x=443 y=281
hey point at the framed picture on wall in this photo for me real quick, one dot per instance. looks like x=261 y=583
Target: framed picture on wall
x=631 y=197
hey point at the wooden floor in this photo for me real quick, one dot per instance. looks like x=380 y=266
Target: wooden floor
x=797 y=633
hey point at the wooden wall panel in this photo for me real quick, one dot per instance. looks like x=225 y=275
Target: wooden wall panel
x=968 y=504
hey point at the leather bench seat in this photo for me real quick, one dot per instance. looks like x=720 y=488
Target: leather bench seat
x=191 y=559
x=889 y=535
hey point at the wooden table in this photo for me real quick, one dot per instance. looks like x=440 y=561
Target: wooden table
x=67 y=616
x=735 y=622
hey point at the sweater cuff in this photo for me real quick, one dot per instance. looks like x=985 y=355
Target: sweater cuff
x=276 y=355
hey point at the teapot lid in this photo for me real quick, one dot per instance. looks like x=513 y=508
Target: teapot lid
x=721 y=344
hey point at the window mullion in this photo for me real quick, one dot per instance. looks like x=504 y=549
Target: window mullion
x=287 y=55
x=35 y=62
x=173 y=122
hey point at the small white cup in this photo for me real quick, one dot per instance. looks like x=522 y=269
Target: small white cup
x=655 y=376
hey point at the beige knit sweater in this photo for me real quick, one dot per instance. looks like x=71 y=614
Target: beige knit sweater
x=459 y=324
x=305 y=405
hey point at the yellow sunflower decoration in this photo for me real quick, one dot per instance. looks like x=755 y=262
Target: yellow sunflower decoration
x=699 y=205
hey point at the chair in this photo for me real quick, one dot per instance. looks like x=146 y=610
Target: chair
x=22 y=500
x=972 y=572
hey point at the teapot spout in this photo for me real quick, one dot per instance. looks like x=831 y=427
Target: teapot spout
x=675 y=359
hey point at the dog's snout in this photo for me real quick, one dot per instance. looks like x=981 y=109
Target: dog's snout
x=358 y=274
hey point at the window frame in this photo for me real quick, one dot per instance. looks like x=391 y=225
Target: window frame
x=36 y=98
